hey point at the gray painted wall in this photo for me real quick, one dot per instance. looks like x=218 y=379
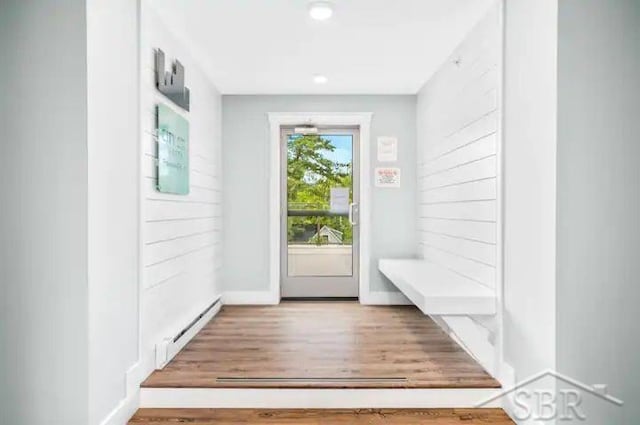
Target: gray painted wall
x=598 y=290
x=246 y=171
x=43 y=213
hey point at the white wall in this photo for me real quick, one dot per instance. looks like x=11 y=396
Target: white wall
x=459 y=119
x=530 y=185
x=181 y=235
x=599 y=201
x=113 y=93
x=459 y=128
x=43 y=213
x=246 y=189
x=70 y=246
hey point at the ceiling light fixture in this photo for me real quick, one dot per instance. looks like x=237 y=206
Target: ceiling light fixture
x=320 y=79
x=320 y=10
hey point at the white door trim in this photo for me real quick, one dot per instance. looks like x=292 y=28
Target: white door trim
x=359 y=119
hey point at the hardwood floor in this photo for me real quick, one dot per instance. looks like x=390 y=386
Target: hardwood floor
x=317 y=417
x=322 y=345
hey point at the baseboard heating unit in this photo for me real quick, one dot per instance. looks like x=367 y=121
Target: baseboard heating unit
x=170 y=346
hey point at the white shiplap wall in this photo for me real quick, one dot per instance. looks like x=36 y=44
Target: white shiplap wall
x=459 y=118
x=181 y=249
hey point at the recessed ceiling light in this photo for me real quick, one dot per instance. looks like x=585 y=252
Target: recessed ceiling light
x=320 y=79
x=320 y=10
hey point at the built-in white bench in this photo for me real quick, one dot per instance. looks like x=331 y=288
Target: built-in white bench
x=436 y=290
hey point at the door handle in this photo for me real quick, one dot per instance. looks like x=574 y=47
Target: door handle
x=352 y=207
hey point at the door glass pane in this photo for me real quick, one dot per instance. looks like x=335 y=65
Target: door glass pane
x=319 y=233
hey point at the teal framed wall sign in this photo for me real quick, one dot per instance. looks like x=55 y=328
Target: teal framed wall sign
x=173 y=152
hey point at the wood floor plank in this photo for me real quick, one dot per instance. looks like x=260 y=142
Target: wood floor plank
x=324 y=417
x=329 y=342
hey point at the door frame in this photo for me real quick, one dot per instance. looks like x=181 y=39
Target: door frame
x=325 y=286
x=362 y=120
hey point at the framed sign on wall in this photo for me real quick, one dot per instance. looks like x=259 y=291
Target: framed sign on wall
x=388 y=177
x=173 y=152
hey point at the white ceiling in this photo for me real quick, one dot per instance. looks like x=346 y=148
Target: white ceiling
x=367 y=47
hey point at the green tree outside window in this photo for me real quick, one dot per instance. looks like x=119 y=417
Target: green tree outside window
x=311 y=173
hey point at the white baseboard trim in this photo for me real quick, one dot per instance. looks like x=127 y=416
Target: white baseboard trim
x=134 y=376
x=121 y=414
x=250 y=298
x=314 y=398
x=384 y=298
x=137 y=373
x=126 y=408
x=506 y=375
